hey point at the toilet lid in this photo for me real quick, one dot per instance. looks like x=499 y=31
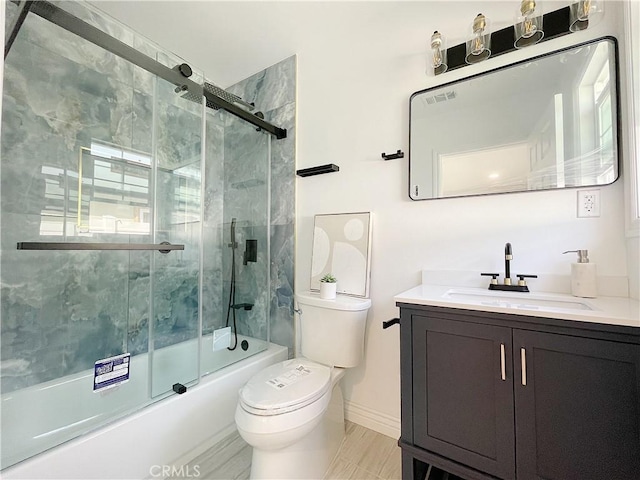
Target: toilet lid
x=285 y=386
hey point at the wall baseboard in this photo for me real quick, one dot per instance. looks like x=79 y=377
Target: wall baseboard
x=372 y=419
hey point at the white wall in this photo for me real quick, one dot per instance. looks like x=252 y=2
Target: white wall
x=353 y=100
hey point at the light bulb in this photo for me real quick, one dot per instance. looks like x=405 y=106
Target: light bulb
x=528 y=28
x=585 y=13
x=438 y=53
x=479 y=47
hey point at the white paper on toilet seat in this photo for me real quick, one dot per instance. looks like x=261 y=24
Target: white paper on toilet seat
x=289 y=377
x=295 y=382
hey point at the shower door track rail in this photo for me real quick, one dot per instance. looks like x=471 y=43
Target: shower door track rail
x=161 y=247
x=75 y=25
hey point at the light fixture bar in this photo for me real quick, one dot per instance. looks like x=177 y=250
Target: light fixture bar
x=556 y=24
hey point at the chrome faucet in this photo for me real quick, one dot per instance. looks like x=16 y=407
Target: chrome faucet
x=521 y=285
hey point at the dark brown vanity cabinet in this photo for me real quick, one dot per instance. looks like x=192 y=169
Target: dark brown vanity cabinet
x=488 y=396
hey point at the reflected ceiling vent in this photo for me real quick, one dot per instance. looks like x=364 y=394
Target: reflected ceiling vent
x=441 y=97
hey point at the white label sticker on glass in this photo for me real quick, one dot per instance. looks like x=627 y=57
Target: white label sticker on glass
x=111 y=372
x=289 y=378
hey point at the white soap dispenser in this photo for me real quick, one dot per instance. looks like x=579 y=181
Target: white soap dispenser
x=583 y=276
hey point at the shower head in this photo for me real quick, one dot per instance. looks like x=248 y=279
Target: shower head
x=229 y=97
x=217 y=91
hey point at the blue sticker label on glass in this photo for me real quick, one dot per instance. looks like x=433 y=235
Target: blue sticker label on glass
x=111 y=372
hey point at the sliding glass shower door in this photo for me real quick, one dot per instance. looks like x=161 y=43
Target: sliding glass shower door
x=175 y=285
x=134 y=226
x=236 y=263
x=100 y=164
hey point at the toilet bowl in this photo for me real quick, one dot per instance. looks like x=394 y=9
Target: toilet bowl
x=292 y=413
x=298 y=436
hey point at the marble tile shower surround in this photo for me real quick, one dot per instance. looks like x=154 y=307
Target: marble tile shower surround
x=61 y=311
x=236 y=179
x=273 y=91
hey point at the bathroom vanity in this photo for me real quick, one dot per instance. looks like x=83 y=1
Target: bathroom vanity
x=519 y=386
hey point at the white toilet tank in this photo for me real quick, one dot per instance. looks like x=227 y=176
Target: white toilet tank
x=332 y=331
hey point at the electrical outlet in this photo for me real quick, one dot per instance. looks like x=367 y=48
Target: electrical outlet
x=588 y=203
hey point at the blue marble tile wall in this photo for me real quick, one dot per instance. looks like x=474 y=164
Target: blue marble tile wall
x=62 y=311
x=273 y=91
x=246 y=199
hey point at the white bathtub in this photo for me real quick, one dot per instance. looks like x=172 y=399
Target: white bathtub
x=175 y=428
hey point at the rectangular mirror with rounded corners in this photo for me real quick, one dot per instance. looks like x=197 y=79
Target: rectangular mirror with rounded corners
x=544 y=123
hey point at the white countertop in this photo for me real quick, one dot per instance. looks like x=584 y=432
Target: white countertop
x=608 y=310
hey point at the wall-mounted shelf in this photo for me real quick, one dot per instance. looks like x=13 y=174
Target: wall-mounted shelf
x=307 y=172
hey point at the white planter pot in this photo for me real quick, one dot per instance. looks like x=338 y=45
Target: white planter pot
x=327 y=290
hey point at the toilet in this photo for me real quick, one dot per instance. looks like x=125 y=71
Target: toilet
x=292 y=413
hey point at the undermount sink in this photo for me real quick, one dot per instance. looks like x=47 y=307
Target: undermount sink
x=524 y=301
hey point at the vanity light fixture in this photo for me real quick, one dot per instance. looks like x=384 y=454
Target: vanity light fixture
x=526 y=31
x=528 y=28
x=479 y=46
x=584 y=14
x=438 y=53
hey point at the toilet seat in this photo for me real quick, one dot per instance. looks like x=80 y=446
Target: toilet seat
x=285 y=387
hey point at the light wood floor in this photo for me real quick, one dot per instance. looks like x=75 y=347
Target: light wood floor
x=364 y=455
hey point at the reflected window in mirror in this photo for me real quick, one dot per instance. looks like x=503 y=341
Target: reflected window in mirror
x=545 y=123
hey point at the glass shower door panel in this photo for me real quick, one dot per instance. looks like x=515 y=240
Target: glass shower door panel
x=175 y=329
x=75 y=167
x=61 y=313
x=82 y=163
x=236 y=276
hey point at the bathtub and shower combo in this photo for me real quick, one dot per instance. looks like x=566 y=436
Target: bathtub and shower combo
x=135 y=250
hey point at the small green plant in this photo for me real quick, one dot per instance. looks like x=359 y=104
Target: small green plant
x=328 y=278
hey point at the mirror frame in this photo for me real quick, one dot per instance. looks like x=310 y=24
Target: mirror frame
x=616 y=118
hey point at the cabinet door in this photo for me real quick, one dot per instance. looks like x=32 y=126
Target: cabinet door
x=577 y=408
x=463 y=393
